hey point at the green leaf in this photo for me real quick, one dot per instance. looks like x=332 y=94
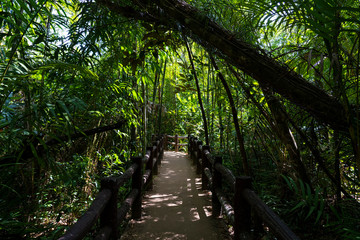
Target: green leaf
x=295 y=187
x=308 y=191
x=299 y=205
x=39 y=39
x=55 y=137
x=24 y=6
x=320 y=211
x=19 y=15
x=35 y=154
x=42 y=142
x=312 y=208
x=64 y=107
x=4 y=124
x=11 y=189
x=303 y=193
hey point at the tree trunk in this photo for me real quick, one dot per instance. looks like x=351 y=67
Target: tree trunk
x=253 y=61
x=153 y=115
x=221 y=125
x=144 y=143
x=311 y=145
x=198 y=93
x=239 y=135
x=337 y=144
x=161 y=97
x=281 y=128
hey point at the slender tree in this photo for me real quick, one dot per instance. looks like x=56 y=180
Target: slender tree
x=239 y=135
x=281 y=127
x=161 y=93
x=251 y=60
x=203 y=114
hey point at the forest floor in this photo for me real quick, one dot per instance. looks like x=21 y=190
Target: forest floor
x=177 y=208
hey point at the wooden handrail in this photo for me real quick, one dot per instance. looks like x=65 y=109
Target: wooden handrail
x=105 y=203
x=245 y=199
x=182 y=137
x=269 y=217
x=176 y=143
x=213 y=172
x=88 y=219
x=227 y=175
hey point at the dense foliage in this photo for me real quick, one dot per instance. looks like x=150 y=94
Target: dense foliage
x=68 y=68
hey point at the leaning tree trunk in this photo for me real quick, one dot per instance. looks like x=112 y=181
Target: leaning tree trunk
x=153 y=115
x=161 y=90
x=284 y=133
x=199 y=94
x=239 y=135
x=311 y=145
x=252 y=60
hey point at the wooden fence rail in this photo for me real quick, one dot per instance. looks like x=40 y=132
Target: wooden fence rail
x=105 y=205
x=244 y=199
x=176 y=141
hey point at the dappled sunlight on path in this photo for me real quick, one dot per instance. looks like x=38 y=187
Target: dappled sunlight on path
x=177 y=208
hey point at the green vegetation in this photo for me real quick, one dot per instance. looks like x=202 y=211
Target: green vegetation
x=84 y=85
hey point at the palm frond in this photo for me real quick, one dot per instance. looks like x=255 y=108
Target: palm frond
x=62 y=66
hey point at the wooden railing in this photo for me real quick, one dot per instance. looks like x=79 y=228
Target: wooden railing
x=214 y=176
x=175 y=142
x=105 y=205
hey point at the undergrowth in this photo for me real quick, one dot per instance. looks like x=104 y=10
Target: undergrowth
x=61 y=196
x=310 y=214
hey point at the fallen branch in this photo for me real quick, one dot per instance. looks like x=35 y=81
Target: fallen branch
x=35 y=144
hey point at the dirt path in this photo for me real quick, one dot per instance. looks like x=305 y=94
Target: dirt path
x=177 y=208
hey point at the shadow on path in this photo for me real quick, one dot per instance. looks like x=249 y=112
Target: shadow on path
x=177 y=208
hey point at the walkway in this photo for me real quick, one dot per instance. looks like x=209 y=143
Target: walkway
x=177 y=208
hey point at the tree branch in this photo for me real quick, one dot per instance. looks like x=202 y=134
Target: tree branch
x=27 y=152
x=253 y=61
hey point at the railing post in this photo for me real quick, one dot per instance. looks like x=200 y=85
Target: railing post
x=191 y=148
x=194 y=145
x=155 y=158
x=137 y=184
x=242 y=209
x=163 y=142
x=159 y=142
x=201 y=167
x=149 y=166
x=258 y=225
x=176 y=143
x=194 y=150
x=109 y=216
x=217 y=184
x=160 y=151
x=166 y=143
x=198 y=156
x=200 y=160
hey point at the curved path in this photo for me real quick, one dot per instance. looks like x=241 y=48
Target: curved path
x=177 y=208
